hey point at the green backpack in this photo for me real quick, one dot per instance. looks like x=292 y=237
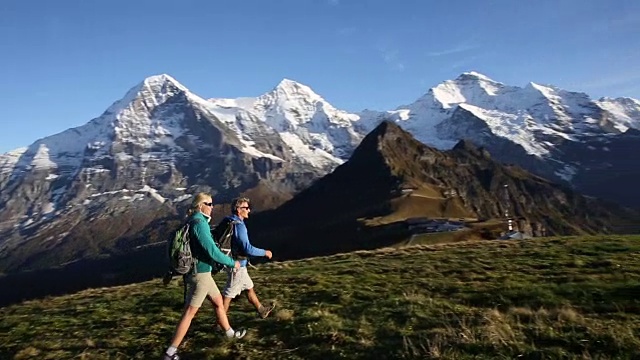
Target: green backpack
x=181 y=259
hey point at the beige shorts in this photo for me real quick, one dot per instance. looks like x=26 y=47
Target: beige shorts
x=200 y=286
x=238 y=280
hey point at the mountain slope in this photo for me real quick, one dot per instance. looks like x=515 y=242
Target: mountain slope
x=147 y=153
x=317 y=132
x=540 y=127
x=131 y=166
x=325 y=216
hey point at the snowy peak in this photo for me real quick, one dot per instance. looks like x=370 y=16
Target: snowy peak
x=534 y=116
x=625 y=101
x=625 y=112
x=163 y=80
x=142 y=118
x=556 y=94
x=315 y=131
x=291 y=95
x=469 y=87
x=288 y=95
x=474 y=76
x=151 y=91
x=289 y=89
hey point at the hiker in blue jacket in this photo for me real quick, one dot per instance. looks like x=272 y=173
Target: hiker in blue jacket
x=238 y=279
x=201 y=283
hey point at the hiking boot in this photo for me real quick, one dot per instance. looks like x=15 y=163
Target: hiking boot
x=238 y=334
x=265 y=311
x=171 y=357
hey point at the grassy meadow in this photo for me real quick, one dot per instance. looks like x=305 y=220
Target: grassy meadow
x=553 y=298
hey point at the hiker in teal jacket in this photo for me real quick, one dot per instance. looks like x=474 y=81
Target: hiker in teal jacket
x=201 y=283
x=202 y=245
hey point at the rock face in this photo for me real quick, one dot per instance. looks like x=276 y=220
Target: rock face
x=389 y=159
x=113 y=184
x=561 y=135
x=91 y=189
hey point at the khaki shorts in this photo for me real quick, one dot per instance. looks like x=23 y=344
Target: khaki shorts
x=200 y=286
x=238 y=280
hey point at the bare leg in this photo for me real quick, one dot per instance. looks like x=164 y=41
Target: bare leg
x=253 y=298
x=221 y=313
x=226 y=301
x=183 y=325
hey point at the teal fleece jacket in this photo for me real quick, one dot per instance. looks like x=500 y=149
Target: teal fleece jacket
x=202 y=245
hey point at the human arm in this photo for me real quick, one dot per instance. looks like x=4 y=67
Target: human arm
x=202 y=233
x=242 y=236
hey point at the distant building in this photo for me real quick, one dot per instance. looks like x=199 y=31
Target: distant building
x=425 y=225
x=404 y=190
x=511 y=233
x=450 y=193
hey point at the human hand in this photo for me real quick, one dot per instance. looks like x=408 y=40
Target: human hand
x=268 y=254
x=236 y=265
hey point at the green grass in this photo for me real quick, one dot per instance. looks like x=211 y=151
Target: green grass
x=556 y=298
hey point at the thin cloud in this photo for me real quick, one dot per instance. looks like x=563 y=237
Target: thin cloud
x=624 y=79
x=462 y=63
x=389 y=53
x=392 y=58
x=453 y=50
x=470 y=61
x=461 y=55
x=625 y=83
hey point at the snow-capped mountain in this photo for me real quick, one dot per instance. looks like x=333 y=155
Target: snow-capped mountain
x=316 y=131
x=133 y=164
x=526 y=116
x=552 y=132
x=141 y=158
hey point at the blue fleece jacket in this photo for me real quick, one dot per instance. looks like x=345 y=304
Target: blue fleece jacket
x=241 y=240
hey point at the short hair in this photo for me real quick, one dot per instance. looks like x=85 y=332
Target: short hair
x=236 y=202
x=198 y=199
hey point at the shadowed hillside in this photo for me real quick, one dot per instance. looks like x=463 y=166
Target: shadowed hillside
x=361 y=205
x=391 y=176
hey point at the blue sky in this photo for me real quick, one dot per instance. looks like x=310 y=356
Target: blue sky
x=64 y=62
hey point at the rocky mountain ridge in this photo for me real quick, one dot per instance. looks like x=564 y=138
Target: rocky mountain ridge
x=139 y=161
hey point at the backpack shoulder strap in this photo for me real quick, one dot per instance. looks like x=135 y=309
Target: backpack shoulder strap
x=238 y=253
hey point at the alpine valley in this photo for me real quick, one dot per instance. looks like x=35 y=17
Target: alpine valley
x=116 y=184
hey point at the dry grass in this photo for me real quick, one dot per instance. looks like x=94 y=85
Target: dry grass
x=471 y=300
x=427 y=205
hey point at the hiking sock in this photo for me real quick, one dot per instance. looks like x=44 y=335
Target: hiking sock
x=236 y=334
x=171 y=350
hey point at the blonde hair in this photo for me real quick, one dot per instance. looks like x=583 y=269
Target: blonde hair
x=236 y=202
x=198 y=199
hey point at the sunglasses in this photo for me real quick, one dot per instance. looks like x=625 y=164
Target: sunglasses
x=208 y=203
x=244 y=207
